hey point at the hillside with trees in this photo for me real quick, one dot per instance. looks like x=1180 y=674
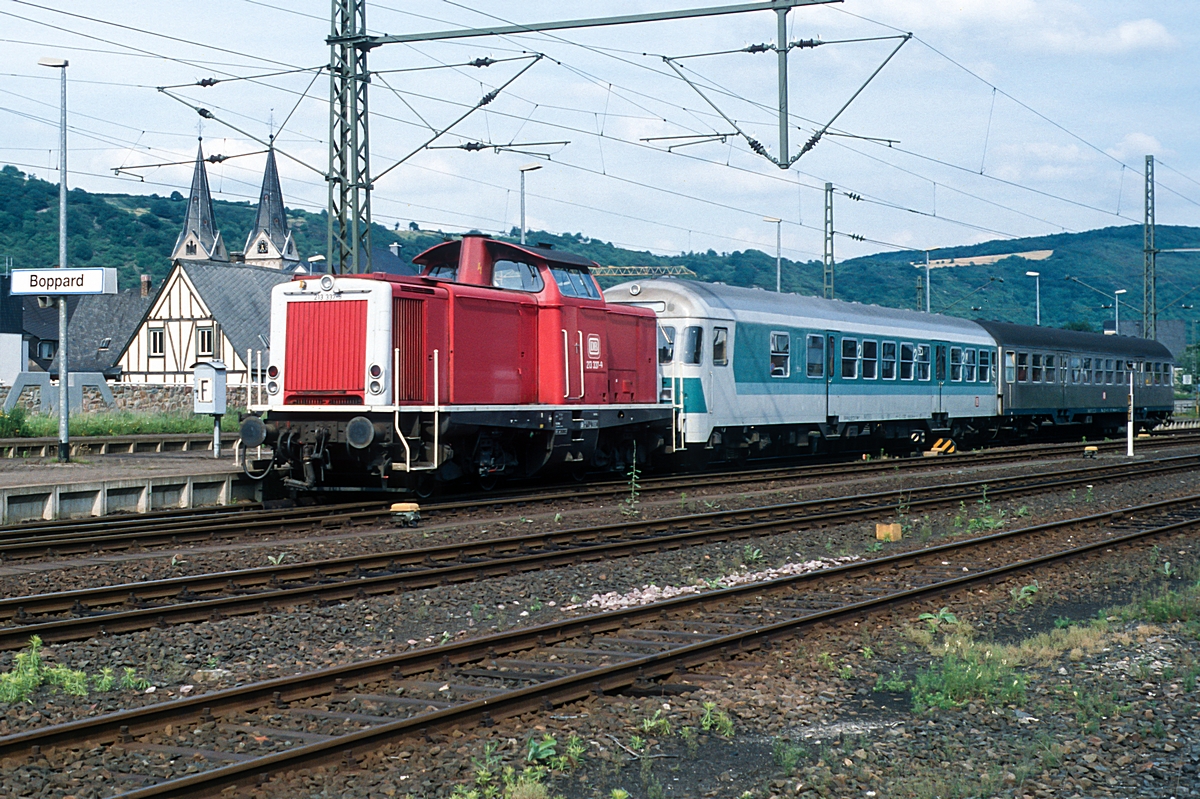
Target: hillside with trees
x=135 y=233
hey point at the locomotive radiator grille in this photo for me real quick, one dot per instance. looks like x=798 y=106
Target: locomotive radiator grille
x=326 y=352
x=408 y=336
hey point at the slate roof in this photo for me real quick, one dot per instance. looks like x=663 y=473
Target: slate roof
x=115 y=317
x=42 y=323
x=239 y=297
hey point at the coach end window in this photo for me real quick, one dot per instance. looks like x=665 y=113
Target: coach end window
x=870 y=359
x=666 y=344
x=720 y=346
x=815 y=356
x=922 y=361
x=693 y=344
x=781 y=356
x=849 y=358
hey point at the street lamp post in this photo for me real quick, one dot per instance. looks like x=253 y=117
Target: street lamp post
x=524 y=169
x=778 y=250
x=1037 y=276
x=1117 y=311
x=64 y=445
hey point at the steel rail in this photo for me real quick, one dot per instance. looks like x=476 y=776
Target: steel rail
x=177 y=526
x=125 y=724
x=454 y=563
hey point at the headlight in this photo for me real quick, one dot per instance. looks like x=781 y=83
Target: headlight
x=326 y=283
x=376 y=370
x=272 y=387
x=272 y=371
x=375 y=387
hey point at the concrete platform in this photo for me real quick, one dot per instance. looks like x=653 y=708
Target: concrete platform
x=42 y=488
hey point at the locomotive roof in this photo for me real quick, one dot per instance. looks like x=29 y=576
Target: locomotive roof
x=1050 y=338
x=736 y=301
x=448 y=251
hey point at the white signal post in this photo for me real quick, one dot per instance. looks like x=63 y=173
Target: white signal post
x=778 y=223
x=1129 y=420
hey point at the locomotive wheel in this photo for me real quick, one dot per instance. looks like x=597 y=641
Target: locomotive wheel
x=487 y=482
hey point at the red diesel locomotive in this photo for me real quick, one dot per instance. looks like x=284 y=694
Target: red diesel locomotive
x=497 y=360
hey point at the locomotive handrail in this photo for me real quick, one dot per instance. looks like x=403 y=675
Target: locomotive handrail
x=582 y=391
x=396 y=405
x=566 y=365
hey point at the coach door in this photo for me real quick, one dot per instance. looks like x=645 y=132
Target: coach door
x=832 y=406
x=940 y=376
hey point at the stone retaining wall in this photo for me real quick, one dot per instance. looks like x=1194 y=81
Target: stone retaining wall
x=133 y=397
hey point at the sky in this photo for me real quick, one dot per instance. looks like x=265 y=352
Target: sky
x=995 y=120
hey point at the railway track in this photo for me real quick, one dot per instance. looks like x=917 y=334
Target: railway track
x=84 y=613
x=250 y=732
x=173 y=528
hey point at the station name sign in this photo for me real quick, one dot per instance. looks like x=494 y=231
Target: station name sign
x=84 y=280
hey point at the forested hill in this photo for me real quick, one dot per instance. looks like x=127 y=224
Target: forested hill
x=136 y=233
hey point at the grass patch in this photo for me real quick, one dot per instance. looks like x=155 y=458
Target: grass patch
x=30 y=673
x=17 y=424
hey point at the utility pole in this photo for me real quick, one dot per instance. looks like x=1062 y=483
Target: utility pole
x=781 y=49
x=1149 y=265
x=349 y=177
x=64 y=393
x=921 y=300
x=827 y=259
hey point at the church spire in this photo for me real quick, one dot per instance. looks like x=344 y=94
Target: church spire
x=270 y=242
x=200 y=240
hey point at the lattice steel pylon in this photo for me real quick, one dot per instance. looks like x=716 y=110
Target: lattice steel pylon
x=827 y=259
x=1149 y=260
x=349 y=176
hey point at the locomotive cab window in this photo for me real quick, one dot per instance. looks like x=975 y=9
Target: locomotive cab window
x=968 y=366
x=516 y=276
x=666 y=344
x=693 y=344
x=888 y=367
x=443 y=272
x=849 y=358
x=956 y=364
x=781 y=358
x=720 y=346
x=906 y=361
x=816 y=356
x=870 y=359
x=575 y=283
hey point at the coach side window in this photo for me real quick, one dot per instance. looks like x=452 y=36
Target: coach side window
x=781 y=365
x=666 y=344
x=1121 y=378
x=720 y=346
x=1049 y=368
x=1075 y=378
x=956 y=364
x=1010 y=366
x=516 y=276
x=1022 y=367
x=816 y=356
x=1087 y=371
x=1036 y=368
x=906 y=361
x=870 y=357
x=968 y=365
x=849 y=358
x=889 y=360
x=1108 y=371
x=693 y=344
x=985 y=366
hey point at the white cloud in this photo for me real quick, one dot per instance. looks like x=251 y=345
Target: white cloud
x=1136 y=144
x=1128 y=37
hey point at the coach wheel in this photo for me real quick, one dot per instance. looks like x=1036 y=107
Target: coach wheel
x=424 y=486
x=578 y=472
